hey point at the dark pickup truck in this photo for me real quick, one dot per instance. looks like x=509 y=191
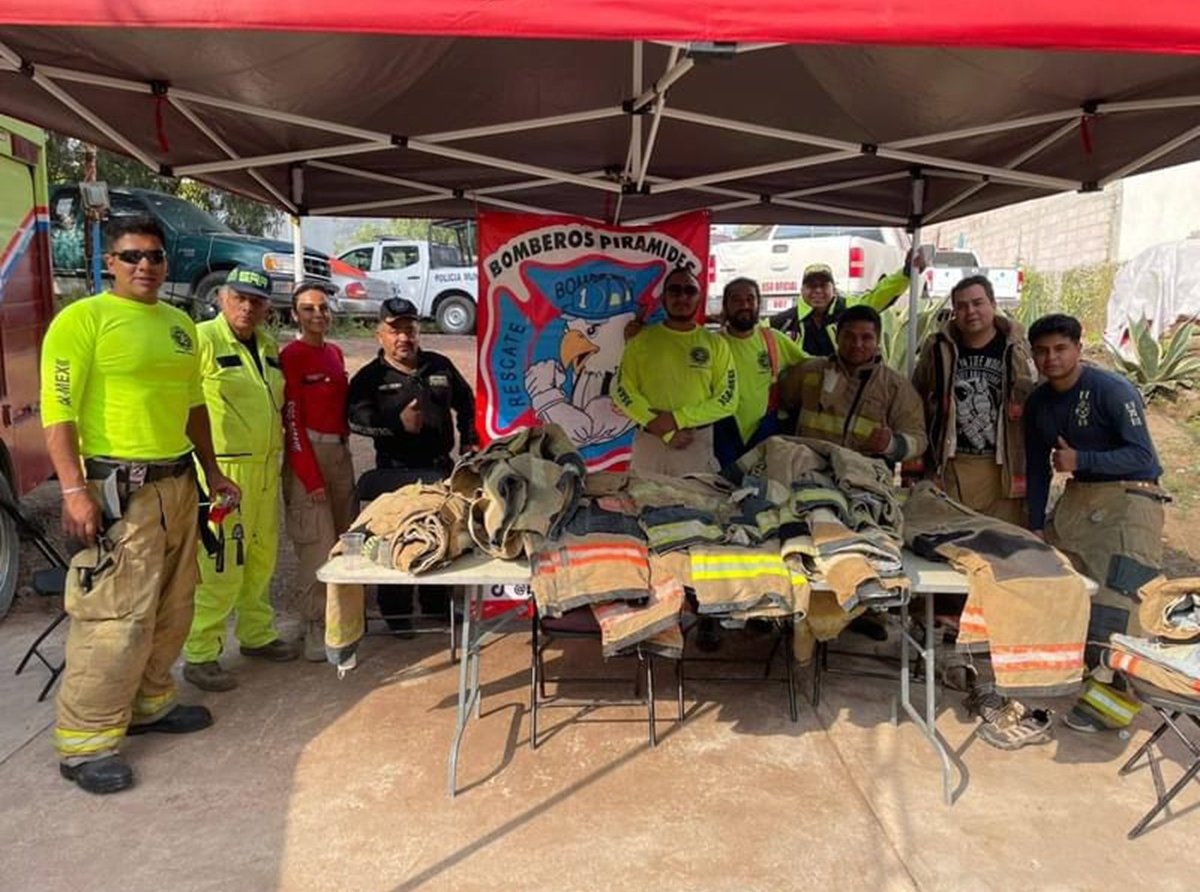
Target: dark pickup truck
x=200 y=248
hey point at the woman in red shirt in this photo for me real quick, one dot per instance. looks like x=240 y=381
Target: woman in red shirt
x=318 y=479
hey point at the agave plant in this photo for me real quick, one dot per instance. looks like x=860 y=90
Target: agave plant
x=1158 y=367
x=893 y=342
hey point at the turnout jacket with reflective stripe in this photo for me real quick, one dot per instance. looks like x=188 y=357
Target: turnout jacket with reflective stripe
x=829 y=403
x=245 y=405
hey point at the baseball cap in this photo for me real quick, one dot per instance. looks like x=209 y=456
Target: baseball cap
x=815 y=270
x=395 y=308
x=245 y=280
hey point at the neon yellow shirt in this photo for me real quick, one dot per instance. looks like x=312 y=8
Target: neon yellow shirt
x=126 y=373
x=689 y=374
x=753 y=365
x=244 y=396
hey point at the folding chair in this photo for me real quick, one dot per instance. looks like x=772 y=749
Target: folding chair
x=1170 y=708
x=581 y=624
x=782 y=641
x=49 y=581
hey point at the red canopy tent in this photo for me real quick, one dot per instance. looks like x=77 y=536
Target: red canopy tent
x=880 y=111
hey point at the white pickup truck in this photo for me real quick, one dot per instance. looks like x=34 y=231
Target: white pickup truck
x=775 y=257
x=952 y=266
x=441 y=279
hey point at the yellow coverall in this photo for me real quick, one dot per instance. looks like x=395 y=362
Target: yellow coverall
x=245 y=403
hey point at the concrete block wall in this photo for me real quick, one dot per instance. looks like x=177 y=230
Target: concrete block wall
x=1050 y=234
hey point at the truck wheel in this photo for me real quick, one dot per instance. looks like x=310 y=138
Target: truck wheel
x=10 y=550
x=204 y=299
x=456 y=315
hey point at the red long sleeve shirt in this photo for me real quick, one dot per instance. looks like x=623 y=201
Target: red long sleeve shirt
x=315 y=387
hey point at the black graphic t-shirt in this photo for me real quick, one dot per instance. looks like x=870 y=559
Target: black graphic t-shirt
x=978 y=394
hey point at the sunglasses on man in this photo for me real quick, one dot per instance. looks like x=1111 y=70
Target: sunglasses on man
x=155 y=256
x=675 y=289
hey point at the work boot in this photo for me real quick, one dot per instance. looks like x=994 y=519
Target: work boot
x=209 y=676
x=314 y=642
x=108 y=775
x=180 y=720
x=277 y=651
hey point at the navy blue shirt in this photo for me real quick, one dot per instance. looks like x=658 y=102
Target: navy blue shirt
x=1103 y=418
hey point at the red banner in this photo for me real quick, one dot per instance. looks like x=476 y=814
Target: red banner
x=555 y=295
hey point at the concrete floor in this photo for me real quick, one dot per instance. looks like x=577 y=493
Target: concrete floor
x=308 y=783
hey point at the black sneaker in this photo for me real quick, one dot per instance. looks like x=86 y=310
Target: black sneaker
x=111 y=774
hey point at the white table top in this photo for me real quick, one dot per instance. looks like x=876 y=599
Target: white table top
x=928 y=577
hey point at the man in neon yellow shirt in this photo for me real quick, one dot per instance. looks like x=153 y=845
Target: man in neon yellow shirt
x=676 y=379
x=123 y=412
x=243 y=387
x=812 y=322
x=760 y=354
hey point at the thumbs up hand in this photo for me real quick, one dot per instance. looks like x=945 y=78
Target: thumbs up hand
x=1063 y=457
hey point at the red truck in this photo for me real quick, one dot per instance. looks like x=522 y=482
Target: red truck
x=26 y=307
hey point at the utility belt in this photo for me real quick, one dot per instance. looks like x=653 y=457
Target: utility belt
x=320 y=437
x=129 y=476
x=136 y=474
x=1144 y=488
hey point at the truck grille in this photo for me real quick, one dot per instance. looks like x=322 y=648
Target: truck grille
x=315 y=267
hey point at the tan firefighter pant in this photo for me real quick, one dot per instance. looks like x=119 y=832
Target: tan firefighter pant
x=978 y=482
x=652 y=456
x=128 y=621
x=1094 y=522
x=314 y=526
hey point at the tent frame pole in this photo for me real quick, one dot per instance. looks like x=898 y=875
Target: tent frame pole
x=915 y=276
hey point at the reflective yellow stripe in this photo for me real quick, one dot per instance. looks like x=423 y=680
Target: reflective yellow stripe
x=144 y=706
x=819 y=421
x=1110 y=704
x=799 y=579
x=835 y=425
x=737 y=573
x=82 y=743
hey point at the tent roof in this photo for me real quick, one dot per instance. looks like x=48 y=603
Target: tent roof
x=386 y=124
x=1161 y=26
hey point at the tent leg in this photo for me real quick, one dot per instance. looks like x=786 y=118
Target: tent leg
x=915 y=275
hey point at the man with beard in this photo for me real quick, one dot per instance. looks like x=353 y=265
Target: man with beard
x=974 y=375
x=759 y=355
x=853 y=398
x=675 y=381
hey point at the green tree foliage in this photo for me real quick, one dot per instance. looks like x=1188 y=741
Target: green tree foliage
x=66 y=159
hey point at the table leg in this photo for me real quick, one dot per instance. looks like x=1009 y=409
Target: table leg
x=927 y=723
x=466 y=692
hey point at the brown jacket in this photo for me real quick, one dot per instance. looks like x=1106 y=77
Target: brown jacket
x=934 y=380
x=830 y=404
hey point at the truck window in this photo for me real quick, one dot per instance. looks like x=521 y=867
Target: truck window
x=399 y=256
x=955 y=259
x=67 y=232
x=180 y=215
x=359 y=258
x=441 y=256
